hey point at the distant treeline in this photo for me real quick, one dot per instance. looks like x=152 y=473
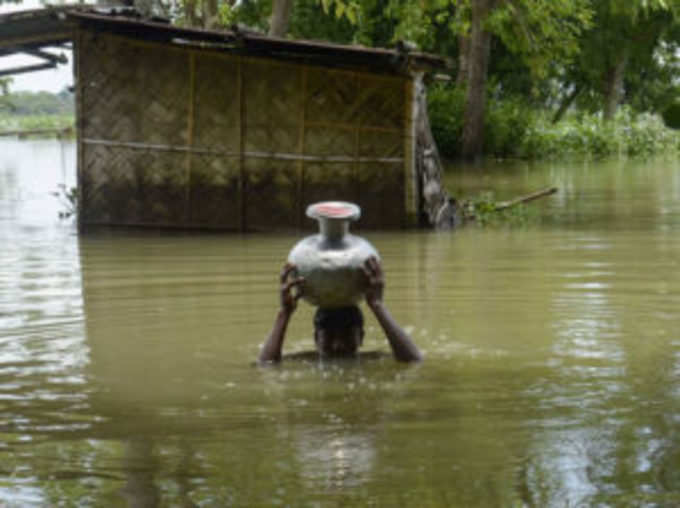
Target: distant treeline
x=37 y=103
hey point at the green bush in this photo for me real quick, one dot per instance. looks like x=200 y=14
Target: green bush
x=513 y=129
x=505 y=122
x=445 y=107
x=35 y=122
x=671 y=115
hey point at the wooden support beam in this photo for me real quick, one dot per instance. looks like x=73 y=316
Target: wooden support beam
x=48 y=39
x=301 y=148
x=44 y=55
x=12 y=71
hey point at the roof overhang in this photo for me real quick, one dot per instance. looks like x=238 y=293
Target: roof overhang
x=31 y=31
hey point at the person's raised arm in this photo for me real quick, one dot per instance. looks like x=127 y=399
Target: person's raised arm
x=271 y=350
x=401 y=343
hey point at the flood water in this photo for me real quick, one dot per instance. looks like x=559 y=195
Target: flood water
x=552 y=371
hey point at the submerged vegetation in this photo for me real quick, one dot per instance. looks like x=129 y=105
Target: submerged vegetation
x=68 y=198
x=484 y=210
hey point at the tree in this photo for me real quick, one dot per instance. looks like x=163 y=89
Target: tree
x=538 y=32
x=280 y=17
x=476 y=64
x=625 y=37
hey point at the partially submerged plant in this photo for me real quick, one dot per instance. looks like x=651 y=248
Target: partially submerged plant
x=486 y=212
x=68 y=197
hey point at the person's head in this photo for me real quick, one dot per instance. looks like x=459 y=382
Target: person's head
x=338 y=331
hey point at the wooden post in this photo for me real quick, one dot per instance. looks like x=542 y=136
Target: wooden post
x=190 y=134
x=242 y=147
x=77 y=62
x=301 y=150
x=356 y=173
x=411 y=198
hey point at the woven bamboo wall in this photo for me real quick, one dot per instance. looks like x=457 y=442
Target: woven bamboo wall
x=186 y=138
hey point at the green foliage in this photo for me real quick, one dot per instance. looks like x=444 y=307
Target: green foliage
x=671 y=115
x=629 y=134
x=640 y=36
x=482 y=210
x=541 y=32
x=506 y=121
x=446 y=105
x=37 y=103
x=226 y=14
x=36 y=122
x=308 y=21
x=515 y=129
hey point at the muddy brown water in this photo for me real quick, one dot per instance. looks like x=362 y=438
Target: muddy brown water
x=552 y=371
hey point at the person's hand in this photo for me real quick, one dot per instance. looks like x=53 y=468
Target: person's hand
x=375 y=281
x=291 y=290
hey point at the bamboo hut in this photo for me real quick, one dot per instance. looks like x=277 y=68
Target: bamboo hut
x=188 y=128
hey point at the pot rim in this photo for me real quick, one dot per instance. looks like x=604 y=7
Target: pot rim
x=341 y=210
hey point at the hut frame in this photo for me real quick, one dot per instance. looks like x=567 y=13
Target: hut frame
x=239 y=131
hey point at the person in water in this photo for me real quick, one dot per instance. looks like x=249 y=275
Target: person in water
x=339 y=332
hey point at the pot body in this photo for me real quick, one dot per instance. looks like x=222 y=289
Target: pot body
x=332 y=268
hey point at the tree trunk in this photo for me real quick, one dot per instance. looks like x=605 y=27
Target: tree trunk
x=478 y=62
x=613 y=86
x=190 y=13
x=210 y=15
x=463 y=60
x=280 y=16
x=566 y=102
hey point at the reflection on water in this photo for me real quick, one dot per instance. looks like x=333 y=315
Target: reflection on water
x=551 y=379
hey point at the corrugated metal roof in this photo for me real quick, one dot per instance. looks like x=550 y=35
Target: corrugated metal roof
x=54 y=25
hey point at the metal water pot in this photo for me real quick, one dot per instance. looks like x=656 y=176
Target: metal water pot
x=331 y=261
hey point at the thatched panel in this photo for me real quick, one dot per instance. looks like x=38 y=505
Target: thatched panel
x=381 y=192
x=127 y=186
x=383 y=102
x=273 y=138
x=329 y=141
x=214 y=192
x=273 y=97
x=108 y=187
x=122 y=76
x=381 y=144
x=331 y=96
x=108 y=91
x=210 y=140
x=271 y=194
x=329 y=181
x=217 y=103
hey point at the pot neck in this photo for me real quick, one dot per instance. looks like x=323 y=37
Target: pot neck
x=333 y=229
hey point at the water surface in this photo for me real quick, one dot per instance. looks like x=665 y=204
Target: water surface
x=552 y=372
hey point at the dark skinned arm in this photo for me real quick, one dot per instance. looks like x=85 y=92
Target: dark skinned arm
x=401 y=343
x=271 y=350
